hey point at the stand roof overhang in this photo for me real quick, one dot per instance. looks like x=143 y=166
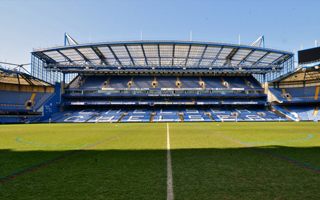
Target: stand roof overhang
x=162 y=55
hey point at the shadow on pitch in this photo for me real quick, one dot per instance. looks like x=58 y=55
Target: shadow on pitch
x=197 y=173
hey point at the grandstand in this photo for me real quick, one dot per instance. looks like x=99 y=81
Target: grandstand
x=22 y=96
x=297 y=94
x=161 y=81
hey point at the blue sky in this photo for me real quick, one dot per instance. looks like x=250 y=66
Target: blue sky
x=28 y=24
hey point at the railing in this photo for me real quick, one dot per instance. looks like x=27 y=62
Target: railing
x=79 y=102
x=164 y=92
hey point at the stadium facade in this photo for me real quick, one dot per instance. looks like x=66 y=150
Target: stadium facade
x=161 y=81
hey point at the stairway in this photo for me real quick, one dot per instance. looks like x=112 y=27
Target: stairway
x=285 y=94
x=316 y=110
x=316 y=94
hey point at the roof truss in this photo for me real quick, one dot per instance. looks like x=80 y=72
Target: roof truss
x=164 y=54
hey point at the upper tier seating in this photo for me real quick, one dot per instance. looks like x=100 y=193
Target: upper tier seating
x=98 y=82
x=213 y=82
x=252 y=82
x=300 y=94
x=189 y=82
x=91 y=82
x=119 y=82
x=142 y=82
x=236 y=82
x=166 y=81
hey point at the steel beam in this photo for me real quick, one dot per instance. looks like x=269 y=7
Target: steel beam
x=185 y=64
x=100 y=55
x=144 y=55
x=114 y=55
x=204 y=51
x=217 y=56
x=66 y=57
x=129 y=55
x=82 y=55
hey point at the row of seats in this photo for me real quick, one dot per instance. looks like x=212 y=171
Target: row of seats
x=21 y=101
x=168 y=101
x=300 y=94
x=13 y=119
x=94 y=82
x=167 y=115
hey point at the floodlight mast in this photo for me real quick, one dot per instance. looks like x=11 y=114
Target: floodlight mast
x=259 y=42
x=68 y=40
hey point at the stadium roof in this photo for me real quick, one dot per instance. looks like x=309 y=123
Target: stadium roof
x=162 y=55
x=19 y=78
x=303 y=74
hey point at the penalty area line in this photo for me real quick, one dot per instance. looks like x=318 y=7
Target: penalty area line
x=170 y=195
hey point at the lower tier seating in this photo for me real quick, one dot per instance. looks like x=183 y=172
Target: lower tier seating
x=21 y=101
x=303 y=112
x=167 y=115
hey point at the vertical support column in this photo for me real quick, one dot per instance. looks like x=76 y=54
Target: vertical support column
x=63 y=83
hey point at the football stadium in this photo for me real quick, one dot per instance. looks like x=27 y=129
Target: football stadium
x=201 y=106
x=161 y=120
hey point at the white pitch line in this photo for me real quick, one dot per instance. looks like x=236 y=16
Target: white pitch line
x=170 y=195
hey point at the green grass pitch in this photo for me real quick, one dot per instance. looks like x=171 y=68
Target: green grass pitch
x=129 y=161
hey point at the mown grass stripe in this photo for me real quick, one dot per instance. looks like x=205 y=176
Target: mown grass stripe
x=295 y=162
x=44 y=164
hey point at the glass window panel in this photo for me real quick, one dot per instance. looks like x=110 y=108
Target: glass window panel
x=125 y=61
x=55 y=56
x=166 y=61
x=211 y=52
x=224 y=53
x=196 y=51
x=88 y=53
x=139 y=61
x=135 y=51
x=181 y=51
x=256 y=56
x=120 y=51
x=112 y=61
x=270 y=58
x=206 y=62
x=153 y=61
x=179 y=61
x=151 y=50
x=192 y=62
x=247 y=63
x=219 y=62
x=234 y=62
x=72 y=54
x=241 y=54
x=106 y=52
x=166 y=51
